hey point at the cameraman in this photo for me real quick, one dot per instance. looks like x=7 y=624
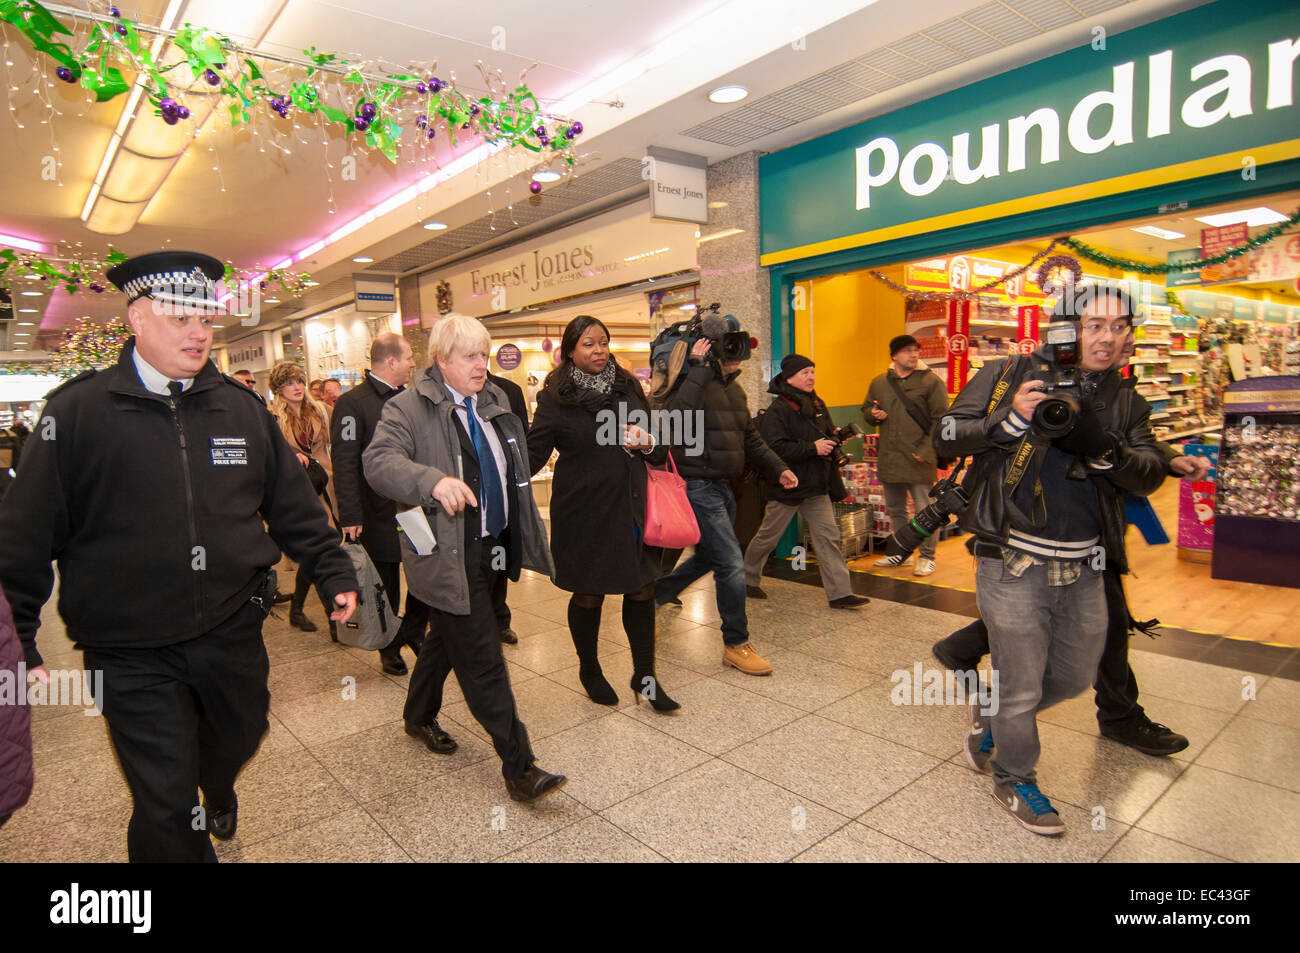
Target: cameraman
x=1042 y=511
x=712 y=395
x=797 y=427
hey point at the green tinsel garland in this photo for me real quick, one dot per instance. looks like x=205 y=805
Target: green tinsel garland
x=1125 y=264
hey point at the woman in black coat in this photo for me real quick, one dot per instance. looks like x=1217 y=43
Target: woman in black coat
x=589 y=409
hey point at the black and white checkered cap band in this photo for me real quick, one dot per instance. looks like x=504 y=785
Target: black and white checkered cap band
x=175 y=286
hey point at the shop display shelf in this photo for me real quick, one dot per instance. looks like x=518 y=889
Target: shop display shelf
x=1192 y=433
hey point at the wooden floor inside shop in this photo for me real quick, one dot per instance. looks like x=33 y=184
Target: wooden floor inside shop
x=1177 y=592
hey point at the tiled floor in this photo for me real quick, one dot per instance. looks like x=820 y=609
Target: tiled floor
x=814 y=763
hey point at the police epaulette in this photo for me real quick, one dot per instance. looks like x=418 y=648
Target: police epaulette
x=242 y=386
x=84 y=375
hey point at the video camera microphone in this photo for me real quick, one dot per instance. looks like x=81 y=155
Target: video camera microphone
x=713 y=326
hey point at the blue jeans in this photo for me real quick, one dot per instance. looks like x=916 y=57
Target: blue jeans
x=718 y=552
x=1045 y=643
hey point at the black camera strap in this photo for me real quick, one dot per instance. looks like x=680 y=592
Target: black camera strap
x=913 y=411
x=1028 y=453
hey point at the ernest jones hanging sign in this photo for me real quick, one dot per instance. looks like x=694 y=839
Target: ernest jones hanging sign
x=1215 y=83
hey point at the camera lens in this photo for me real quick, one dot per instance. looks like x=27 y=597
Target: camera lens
x=1055 y=413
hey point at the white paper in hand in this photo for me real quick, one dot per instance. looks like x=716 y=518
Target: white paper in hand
x=417 y=529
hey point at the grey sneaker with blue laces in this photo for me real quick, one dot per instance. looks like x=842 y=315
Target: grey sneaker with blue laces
x=1030 y=807
x=979 y=739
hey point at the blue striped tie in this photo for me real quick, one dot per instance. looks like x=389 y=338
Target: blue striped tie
x=491 y=494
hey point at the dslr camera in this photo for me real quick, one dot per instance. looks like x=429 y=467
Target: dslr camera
x=1056 y=415
x=841 y=436
x=950 y=498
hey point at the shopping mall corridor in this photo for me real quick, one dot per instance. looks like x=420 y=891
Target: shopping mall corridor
x=814 y=763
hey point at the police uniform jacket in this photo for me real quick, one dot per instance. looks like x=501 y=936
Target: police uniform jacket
x=153 y=508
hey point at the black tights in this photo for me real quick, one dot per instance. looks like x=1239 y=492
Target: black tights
x=589 y=601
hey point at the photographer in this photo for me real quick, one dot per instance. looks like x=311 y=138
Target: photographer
x=799 y=430
x=1047 y=513
x=1119 y=716
x=710 y=393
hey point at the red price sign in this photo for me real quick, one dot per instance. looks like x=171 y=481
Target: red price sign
x=958 y=344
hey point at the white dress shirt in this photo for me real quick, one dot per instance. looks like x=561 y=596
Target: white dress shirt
x=498 y=452
x=154 y=380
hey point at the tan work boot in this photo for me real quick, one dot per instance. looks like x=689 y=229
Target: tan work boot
x=746 y=659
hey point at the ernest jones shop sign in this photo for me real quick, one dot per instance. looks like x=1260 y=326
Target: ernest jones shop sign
x=1218 y=81
x=622 y=246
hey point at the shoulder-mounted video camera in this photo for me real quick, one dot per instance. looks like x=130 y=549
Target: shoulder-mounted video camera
x=670 y=350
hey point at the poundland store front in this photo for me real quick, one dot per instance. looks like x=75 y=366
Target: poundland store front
x=1171 y=142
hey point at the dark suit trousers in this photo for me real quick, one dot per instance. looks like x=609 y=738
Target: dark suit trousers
x=416 y=616
x=1117 y=688
x=499 y=607
x=182 y=718
x=471 y=645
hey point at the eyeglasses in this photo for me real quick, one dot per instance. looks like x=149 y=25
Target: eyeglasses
x=1118 y=328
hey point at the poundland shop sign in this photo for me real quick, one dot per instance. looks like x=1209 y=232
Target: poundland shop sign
x=1091 y=121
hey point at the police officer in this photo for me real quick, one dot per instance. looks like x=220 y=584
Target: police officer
x=149 y=482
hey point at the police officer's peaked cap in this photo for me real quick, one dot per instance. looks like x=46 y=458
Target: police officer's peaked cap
x=172 y=277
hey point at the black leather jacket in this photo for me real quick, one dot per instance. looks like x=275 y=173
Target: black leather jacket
x=1138 y=466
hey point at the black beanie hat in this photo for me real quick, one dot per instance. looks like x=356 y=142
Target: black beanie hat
x=792 y=364
x=900 y=342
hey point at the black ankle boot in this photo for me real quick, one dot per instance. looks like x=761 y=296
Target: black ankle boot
x=584 y=627
x=639 y=624
x=297 y=619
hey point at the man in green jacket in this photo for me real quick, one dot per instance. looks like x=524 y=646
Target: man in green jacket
x=906 y=460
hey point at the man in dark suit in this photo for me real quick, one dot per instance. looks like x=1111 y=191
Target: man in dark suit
x=518 y=407
x=364 y=514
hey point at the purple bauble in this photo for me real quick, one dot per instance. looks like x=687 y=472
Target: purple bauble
x=432 y=133
x=114 y=12
x=183 y=112
x=361 y=124
x=121 y=29
x=535 y=188
x=422 y=87
x=211 y=77
x=421 y=121
x=97 y=288
x=169 y=109
x=367 y=111
x=65 y=74
x=576 y=129
x=435 y=84
x=473 y=109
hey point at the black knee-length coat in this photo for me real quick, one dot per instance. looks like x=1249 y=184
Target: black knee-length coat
x=598 y=495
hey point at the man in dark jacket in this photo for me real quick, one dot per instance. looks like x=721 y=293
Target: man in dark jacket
x=799 y=430
x=1047 y=516
x=149 y=483
x=518 y=407
x=899 y=401
x=364 y=514
x=710 y=403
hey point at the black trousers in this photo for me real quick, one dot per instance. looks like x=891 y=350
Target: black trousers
x=183 y=718
x=499 y=607
x=471 y=645
x=416 y=616
x=1116 y=685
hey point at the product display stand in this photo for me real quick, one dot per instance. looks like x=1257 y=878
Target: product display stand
x=1257 y=509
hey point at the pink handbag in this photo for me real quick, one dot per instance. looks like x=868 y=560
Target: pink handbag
x=669 y=519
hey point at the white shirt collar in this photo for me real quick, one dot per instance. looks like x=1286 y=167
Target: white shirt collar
x=382 y=381
x=154 y=380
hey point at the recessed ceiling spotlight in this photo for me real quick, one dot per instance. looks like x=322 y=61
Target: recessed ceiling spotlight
x=29 y=310
x=33 y=294
x=545 y=175
x=310 y=284
x=270 y=301
x=717 y=205
x=435 y=226
x=363 y=259
x=728 y=94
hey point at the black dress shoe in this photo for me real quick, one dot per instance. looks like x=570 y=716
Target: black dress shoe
x=281 y=598
x=434 y=738
x=755 y=593
x=849 y=602
x=300 y=621
x=393 y=664
x=508 y=637
x=222 y=821
x=533 y=784
x=950 y=661
x=1149 y=737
